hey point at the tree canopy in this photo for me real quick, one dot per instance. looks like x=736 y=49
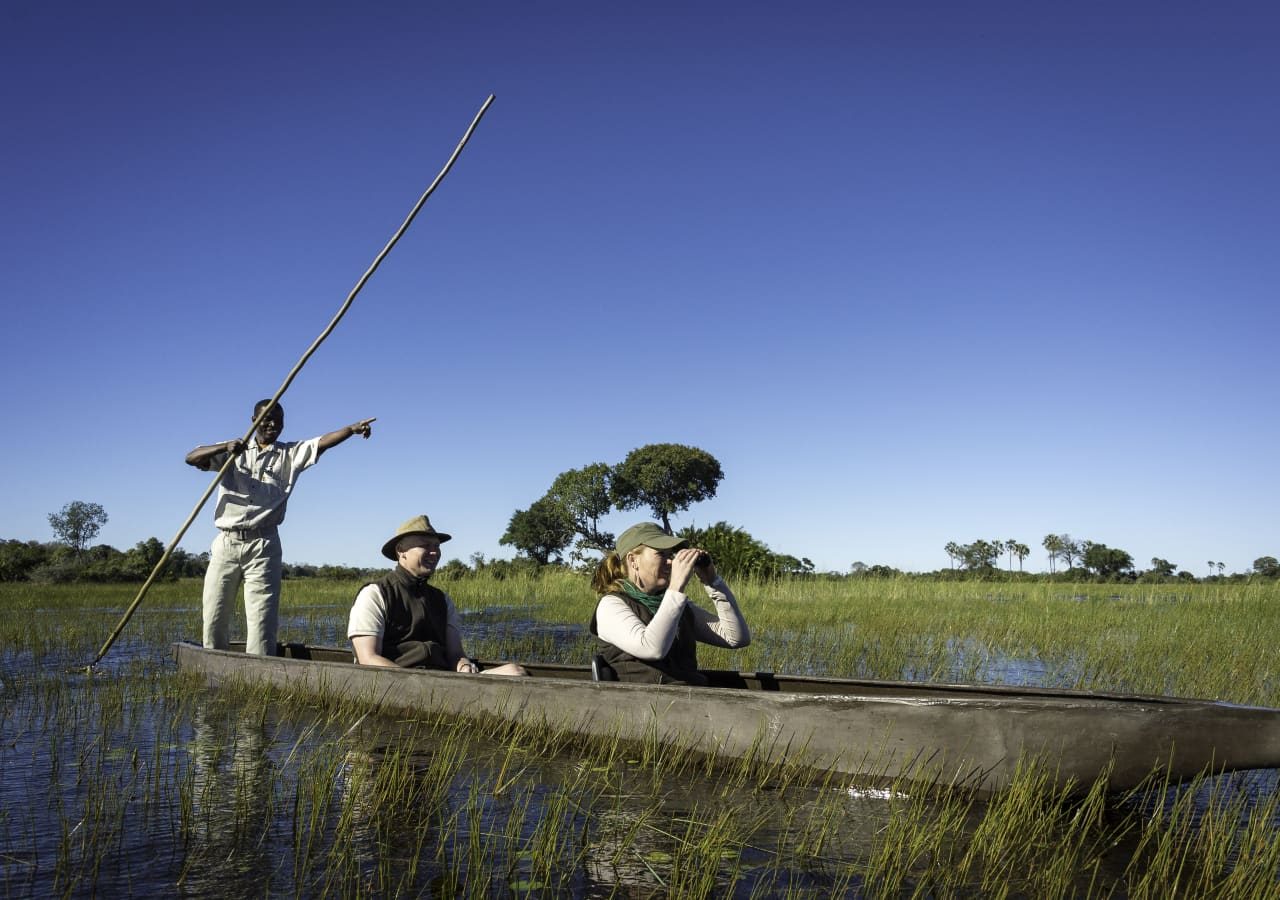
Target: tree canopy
x=541 y=531
x=1163 y=567
x=1104 y=561
x=665 y=478
x=78 y=523
x=1267 y=566
x=583 y=494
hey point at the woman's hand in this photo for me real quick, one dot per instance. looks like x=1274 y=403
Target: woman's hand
x=466 y=666
x=682 y=568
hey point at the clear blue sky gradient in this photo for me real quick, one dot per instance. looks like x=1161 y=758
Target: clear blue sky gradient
x=913 y=272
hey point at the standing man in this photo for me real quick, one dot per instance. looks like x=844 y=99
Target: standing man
x=252 y=496
x=403 y=621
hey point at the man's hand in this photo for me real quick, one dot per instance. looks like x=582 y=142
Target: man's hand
x=334 y=438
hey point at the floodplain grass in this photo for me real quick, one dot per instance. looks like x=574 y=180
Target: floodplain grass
x=137 y=778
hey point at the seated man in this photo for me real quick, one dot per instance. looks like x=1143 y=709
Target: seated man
x=403 y=621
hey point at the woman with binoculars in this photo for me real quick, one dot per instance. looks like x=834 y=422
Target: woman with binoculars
x=647 y=629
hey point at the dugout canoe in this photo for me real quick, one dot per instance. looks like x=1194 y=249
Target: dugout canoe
x=974 y=735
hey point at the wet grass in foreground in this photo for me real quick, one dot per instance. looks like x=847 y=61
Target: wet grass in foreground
x=138 y=780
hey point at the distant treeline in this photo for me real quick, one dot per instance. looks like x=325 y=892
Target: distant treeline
x=56 y=563
x=737 y=555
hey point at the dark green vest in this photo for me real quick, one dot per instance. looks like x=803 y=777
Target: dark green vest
x=417 y=615
x=679 y=666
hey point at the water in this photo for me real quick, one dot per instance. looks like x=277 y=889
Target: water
x=186 y=794
x=137 y=781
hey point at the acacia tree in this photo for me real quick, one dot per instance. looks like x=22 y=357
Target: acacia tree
x=584 y=496
x=666 y=478
x=980 y=554
x=1267 y=566
x=1071 y=550
x=78 y=523
x=1105 y=561
x=540 y=532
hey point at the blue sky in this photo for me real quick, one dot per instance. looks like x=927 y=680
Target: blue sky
x=913 y=272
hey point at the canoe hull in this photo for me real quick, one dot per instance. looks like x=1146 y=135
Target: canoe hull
x=883 y=731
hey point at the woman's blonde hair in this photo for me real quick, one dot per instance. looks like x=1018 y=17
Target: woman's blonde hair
x=609 y=574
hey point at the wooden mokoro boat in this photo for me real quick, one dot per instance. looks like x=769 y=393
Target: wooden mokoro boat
x=974 y=735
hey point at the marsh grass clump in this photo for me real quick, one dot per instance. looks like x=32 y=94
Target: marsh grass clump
x=1209 y=837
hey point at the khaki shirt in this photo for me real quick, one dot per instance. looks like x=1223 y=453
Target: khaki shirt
x=254 y=491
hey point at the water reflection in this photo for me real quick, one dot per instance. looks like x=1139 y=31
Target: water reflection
x=232 y=804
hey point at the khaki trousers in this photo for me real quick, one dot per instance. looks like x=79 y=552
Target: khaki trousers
x=255 y=563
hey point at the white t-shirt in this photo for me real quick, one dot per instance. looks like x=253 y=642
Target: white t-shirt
x=369 y=617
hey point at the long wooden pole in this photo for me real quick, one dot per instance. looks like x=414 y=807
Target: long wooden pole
x=275 y=399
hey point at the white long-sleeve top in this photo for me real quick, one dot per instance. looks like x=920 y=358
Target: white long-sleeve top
x=616 y=624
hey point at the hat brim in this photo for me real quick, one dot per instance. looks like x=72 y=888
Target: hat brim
x=389 y=548
x=666 y=542
x=658 y=542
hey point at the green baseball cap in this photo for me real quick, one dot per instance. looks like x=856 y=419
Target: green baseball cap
x=647 y=534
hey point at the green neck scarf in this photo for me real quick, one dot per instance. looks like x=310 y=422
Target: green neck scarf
x=651 y=601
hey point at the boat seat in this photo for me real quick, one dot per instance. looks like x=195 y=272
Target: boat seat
x=601 y=670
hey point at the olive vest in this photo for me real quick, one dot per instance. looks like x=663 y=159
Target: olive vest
x=679 y=666
x=417 y=615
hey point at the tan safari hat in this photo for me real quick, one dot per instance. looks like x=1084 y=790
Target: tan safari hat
x=416 y=525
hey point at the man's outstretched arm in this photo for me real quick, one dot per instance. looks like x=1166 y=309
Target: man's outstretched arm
x=334 y=438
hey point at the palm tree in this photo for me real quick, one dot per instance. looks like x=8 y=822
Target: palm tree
x=1022 y=551
x=1221 y=568
x=953 y=552
x=1053 y=544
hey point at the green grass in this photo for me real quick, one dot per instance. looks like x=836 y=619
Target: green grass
x=139 y=780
